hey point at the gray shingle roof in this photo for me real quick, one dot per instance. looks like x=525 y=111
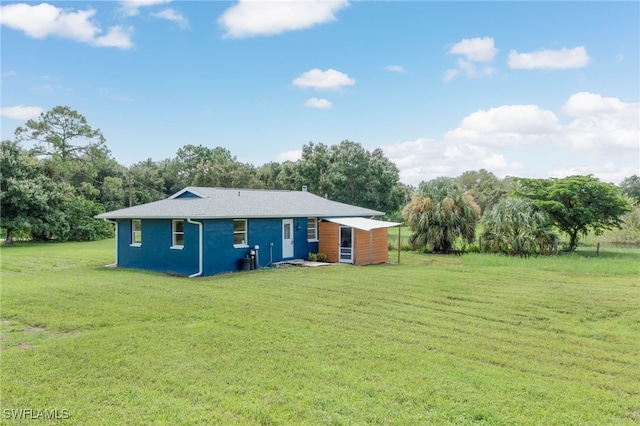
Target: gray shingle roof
x=219 y=203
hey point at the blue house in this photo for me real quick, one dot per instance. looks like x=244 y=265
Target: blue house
x=206 y=231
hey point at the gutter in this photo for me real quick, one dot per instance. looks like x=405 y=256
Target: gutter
x=113 y=265
x=200 y=249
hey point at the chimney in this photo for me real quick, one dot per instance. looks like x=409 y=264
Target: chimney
x=304 y=188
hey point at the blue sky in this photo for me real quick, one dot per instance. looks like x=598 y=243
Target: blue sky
x=535 y=89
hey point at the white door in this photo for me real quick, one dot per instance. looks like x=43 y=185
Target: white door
x=287 y=238
x=346 y=244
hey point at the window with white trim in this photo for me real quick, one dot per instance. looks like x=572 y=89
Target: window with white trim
x=177 y=234
x=312 y=229
x=240 y=233
x=136 y=232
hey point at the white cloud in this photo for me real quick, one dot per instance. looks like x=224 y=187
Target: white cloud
x=475 y=49
x=323 y=80
x=173 y=16
x=608 y=172
x=602 y=124
x=471 y=70
x=250 y=18
x=395 y=68
x=318 y=103
x=132 y=7
x=476 y=52
x=586 y=103
x=21 y=112
x=602 y=137
x=450 y=75
x=294 y=155
x=426 y=159
x=506 y=125
x=550 y=59
x=45 y=20
x=116 y=37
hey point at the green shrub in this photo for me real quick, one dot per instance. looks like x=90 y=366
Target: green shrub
x=313 y=257
x=516 y=227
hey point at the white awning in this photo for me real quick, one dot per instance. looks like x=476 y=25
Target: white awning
x=361 y=223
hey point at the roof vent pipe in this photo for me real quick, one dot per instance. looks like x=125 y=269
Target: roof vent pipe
x=304 y=188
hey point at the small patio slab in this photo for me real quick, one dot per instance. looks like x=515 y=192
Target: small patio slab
x=301 y=262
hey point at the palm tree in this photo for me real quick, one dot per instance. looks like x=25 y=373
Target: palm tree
x=516 y=227
x=439 y=214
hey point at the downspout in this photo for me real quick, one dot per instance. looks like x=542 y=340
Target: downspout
x=115 y=222
x=200 y=249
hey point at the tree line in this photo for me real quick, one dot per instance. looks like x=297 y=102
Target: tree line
x=522 y=221
x=58 y=173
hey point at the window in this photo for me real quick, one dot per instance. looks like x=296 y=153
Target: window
x=312 y=229
x=136 y=232
x=177 y=234
x=240 y=232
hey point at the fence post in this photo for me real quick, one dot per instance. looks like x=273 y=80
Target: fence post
x=399 y=242
x=598 y=249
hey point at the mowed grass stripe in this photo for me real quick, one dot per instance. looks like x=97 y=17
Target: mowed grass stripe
x=431 y=341
x=574 y=358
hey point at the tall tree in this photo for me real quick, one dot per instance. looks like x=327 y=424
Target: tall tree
x=30 y=201
x=577 y=204
x=68 y=167
x=439 y=214
x=365 y=178
x=64 y=136
x=271 y=175
x=631 y=187
x=146 y=181
x=349 y=173
x=288 y=177
x=313 y=169
x=486 y=188
x=203 y=166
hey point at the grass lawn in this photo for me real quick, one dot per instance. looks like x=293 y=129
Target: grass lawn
x=476 y=339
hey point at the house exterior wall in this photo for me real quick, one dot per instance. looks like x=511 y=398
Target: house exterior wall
x=219 y=254
x=155 y=252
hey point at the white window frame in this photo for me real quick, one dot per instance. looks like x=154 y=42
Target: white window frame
x=313 y=220
x=245 y=233
x=175 y=233
x=136 y=242
x=136 y=233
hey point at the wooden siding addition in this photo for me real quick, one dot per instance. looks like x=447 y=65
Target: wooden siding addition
x=328 y=244
x=368 y=247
